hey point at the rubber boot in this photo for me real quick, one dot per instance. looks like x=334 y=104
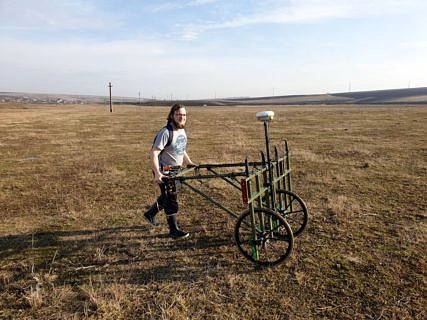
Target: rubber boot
x=174 y=230
x=150 y=214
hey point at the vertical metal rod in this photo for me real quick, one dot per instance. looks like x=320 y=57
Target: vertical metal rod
x=288 y=166
x=270 y=172
x=111 y=104
x=276 y=168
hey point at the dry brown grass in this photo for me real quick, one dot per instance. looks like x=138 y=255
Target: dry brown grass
x=76 y=180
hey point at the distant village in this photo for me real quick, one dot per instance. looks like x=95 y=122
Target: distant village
x=49 y=99
x=26 y=99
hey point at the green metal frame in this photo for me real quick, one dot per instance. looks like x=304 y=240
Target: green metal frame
x=254 y=183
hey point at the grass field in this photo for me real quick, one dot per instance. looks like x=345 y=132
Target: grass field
x=75 y=181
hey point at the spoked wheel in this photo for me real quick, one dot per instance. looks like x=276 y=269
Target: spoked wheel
x=293 y=209
x=265 y=238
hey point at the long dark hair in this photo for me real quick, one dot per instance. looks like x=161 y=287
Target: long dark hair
x=175 y=107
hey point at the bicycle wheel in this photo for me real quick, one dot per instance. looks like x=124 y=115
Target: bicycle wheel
x=267 y=241
x=293 y=209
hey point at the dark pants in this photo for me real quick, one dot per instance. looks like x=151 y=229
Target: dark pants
x=168 y=199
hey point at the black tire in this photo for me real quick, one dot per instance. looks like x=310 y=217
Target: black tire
x=272 y=241
x=293 y=209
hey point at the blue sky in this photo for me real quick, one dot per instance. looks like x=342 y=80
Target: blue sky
x=211 y=48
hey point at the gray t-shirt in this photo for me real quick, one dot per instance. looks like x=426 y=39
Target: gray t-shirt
x=173 y=154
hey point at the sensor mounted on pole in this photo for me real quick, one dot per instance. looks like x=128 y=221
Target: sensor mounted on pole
x=265 y=115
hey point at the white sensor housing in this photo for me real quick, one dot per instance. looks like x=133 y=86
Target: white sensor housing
x=265 y=115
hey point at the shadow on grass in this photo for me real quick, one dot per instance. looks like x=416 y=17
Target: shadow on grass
x=120 y=254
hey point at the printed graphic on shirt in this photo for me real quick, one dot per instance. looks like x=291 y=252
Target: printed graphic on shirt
x=180 y=144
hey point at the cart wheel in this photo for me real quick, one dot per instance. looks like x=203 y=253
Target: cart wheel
x=268 y=241
x=293 y=209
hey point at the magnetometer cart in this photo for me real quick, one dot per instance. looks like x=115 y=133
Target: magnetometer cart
x=274 y=215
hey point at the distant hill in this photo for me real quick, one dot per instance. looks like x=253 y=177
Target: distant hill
x=391 y=96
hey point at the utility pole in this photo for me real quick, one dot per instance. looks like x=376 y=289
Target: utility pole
x=111 y=104
x=139 y=97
